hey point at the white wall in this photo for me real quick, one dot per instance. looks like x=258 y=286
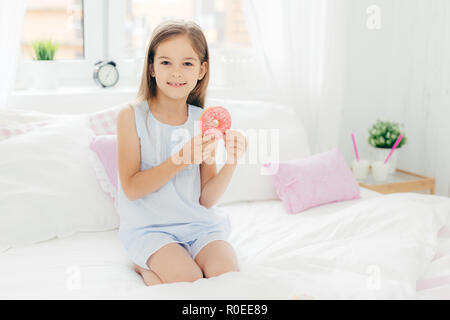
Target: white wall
x=390 y=75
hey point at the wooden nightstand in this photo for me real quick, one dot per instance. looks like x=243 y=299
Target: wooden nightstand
x=400 y=181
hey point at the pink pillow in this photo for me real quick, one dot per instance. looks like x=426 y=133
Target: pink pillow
x=105 y=162
x=319 y=179
x=104 y=122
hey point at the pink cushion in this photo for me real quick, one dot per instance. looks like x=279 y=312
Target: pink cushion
x=319 y=179
x=105 y=147
x=104 y=122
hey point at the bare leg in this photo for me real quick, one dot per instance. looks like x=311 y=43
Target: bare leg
x=150 y=278
x=216 y=258
x=172 y=263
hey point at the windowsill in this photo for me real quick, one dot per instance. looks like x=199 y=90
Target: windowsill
x=91 y=98
x=73 y=90
x=72 y=99
x=95 y=90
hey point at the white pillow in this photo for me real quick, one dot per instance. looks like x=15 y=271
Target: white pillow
x=15 y=121
x=13 y=117
x=249 y=181
x=48 y=187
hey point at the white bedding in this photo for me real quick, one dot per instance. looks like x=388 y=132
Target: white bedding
x=373 y=247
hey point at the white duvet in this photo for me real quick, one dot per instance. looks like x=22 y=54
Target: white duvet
x=376 y=247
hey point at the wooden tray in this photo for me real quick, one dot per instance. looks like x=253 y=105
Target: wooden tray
x=399 y=181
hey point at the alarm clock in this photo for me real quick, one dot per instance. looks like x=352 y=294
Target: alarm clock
x=106 y=74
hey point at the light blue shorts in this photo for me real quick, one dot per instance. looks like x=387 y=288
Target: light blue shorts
x=147 y=244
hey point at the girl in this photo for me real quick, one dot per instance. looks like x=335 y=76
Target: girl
x=169 y=225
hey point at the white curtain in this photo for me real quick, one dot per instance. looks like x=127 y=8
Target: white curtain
x=302 y=47
x=12 y=13
x=419 y=84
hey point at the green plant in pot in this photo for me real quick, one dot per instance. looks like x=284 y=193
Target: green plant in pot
x=44 y=68
x=382 y=137
x=44 y=49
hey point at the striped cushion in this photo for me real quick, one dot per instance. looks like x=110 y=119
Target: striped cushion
x=10 y=131
x=104 y=122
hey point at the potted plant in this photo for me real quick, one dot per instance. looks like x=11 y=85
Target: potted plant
x=44 y=68
x=382 y=137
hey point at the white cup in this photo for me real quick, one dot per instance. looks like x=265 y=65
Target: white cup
x=360 y=168
x=380 y=170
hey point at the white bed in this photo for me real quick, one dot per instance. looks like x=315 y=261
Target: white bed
x=280 y=256
x=377 y=247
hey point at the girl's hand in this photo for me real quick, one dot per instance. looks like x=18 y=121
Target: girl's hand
x=209 y=147
x=198 y=149
x=236 y=146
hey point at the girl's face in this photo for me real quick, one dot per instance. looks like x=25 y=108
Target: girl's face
x=177 y=67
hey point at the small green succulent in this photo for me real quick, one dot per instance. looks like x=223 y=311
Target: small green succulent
x=383 y=134
x=44 y=49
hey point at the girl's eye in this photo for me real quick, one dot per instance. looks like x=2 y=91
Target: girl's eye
x=167 y=62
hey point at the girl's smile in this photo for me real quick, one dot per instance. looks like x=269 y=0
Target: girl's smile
x=176 y=85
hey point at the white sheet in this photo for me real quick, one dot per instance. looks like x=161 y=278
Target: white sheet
x=332 y=251
x=435 y=282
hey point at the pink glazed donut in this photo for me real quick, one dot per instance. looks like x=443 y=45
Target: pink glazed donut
x=215 y=121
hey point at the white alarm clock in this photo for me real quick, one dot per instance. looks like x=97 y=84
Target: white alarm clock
x=106 y=74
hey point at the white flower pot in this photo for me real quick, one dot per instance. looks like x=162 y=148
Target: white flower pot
x=45 y=74
x=380 y=154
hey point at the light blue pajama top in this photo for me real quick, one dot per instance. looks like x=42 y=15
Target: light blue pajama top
x=174 y=208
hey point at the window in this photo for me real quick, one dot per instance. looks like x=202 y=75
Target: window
x=221 y=20
x=77 y=25
x=56 y=20
x=92 y=30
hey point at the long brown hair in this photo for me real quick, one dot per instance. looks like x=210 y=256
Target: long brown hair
x=165 y=31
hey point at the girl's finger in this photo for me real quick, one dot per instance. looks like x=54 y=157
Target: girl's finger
x=208 y=137
x=242 y=145
x=207 y=155
x=234 y=150
x=210 y=146
x=241 y=141
x=205 y=143
x=208 y=151
x=198 y=142
x=239 y=151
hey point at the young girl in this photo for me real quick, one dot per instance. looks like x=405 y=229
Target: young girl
x=169 y=225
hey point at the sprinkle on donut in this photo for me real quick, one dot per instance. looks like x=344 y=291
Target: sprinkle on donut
x=215 y=121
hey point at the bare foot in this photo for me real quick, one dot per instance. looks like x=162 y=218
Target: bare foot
x=150 y=278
